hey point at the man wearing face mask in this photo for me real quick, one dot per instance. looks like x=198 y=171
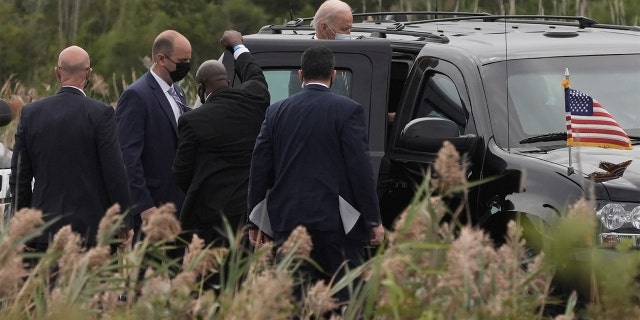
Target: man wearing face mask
x=215 y=143
x=147 y=115
x=332 y=21
x=67 y=145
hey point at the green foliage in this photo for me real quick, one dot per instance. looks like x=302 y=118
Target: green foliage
x=428 y=269
x=118 y=33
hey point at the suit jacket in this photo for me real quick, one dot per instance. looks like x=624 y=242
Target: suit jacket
x=215 y=145
x=149 y=138
x=68 y=144
x=312 y=158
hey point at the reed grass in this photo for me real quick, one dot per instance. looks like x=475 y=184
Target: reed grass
x=427 y=269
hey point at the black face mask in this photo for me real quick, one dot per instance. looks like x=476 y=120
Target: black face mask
x=86 y=83
x=201 y=92
x=182 y=68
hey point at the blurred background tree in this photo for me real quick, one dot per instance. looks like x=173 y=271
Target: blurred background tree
x=118 y=33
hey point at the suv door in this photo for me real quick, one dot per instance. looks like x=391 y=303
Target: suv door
x=435 y=100
x=362 y=74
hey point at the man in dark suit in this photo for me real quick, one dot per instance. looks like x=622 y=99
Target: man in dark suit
x=67 y=143
x=311 y=167
x=147 y=115
x=216 y=141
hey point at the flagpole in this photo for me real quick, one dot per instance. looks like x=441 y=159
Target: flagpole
x=566 y=83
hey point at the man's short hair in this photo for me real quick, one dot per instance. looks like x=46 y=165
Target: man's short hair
x=317 y=63
x=327 y=12
x=164 y=45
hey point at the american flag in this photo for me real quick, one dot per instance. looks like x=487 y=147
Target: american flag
x=589 y=124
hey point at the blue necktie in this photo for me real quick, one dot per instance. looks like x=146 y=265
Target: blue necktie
x=175 y=96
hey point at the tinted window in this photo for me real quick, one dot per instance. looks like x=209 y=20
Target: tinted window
x=535 y=96
x=285 y=82
x=439 y=98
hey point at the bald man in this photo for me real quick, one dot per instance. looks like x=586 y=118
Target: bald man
x=216 y=141
x=147 y=116
x=67 y=143
x=333 y=20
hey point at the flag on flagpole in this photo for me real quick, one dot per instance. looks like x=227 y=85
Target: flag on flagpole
x=589 y=124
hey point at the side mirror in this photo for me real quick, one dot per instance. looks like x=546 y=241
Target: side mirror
x=428 y=134
x=5 y=113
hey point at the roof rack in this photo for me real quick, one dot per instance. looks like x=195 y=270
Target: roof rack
x=415 y=13
x=374 y=33
x=300 y=21
x=583 y=22
x=396 y=27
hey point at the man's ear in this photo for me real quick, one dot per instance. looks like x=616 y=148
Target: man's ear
x=300 y=75
x=160 y=58
x=57 y=70
x=333 y=75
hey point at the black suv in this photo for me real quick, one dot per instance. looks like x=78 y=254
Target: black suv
x=491 y=85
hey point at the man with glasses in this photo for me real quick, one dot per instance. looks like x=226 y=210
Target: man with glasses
x=67 y=145
x=147 y=116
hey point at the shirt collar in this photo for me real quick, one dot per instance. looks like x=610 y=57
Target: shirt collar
x=318 y=83
x=76 y=89
x=163 y=84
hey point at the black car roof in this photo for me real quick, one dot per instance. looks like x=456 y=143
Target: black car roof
x=484 y=35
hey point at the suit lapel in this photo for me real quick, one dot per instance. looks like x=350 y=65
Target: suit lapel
x=162 y=100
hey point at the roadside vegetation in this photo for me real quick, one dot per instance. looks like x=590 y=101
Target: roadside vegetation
x=428 y=269
x=118 y=34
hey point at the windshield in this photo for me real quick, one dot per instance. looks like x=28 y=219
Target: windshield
x=535 y=96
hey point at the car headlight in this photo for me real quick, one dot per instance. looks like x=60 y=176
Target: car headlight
x=635 y=217
x=614 y=215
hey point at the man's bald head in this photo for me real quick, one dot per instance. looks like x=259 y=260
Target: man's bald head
x=170 y=48
x=333 y=16
x=211 y=75
x=74 y=67
x=167 y=41
x=73 y=59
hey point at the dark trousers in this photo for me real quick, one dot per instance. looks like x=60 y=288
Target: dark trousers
x=335 y=254
x=214 y=232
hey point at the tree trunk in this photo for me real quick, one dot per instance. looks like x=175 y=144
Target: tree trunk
x=583 y=7
x=540 y=7
x=76 y=17
x=62 y=18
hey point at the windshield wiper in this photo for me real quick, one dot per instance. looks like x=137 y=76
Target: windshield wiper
x=558 y=136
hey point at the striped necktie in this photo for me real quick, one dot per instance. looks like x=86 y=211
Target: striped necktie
x=175 y=96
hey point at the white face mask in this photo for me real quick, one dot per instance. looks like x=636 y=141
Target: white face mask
x=340 y=36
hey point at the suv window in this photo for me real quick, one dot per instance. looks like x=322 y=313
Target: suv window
x=285 y=82
x=439 y=98
x=536 y=96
